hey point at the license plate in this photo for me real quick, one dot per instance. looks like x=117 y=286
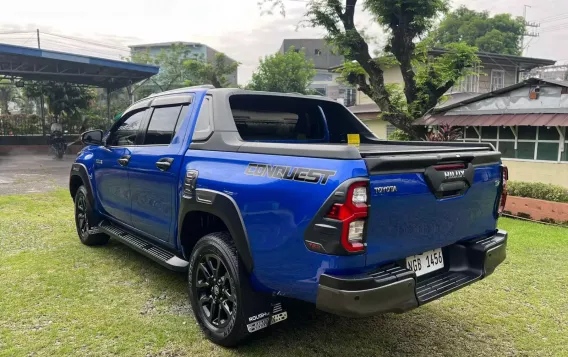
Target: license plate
x=426 y=262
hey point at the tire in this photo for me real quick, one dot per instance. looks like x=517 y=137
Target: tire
x=60 y=150
x=85 y=219
x=215 y=256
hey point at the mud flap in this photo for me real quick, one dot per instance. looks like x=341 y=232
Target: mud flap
x=261 y=309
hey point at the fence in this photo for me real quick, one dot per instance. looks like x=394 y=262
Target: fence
x=31 y=125
x=20 y=124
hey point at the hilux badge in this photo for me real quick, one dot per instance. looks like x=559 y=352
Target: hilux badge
x=454 y=174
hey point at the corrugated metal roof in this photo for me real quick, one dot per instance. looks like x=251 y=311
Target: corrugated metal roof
x=365 y=108
x=496 y=120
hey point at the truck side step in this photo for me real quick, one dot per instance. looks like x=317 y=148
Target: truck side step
x=157 y=254
x=440 y=285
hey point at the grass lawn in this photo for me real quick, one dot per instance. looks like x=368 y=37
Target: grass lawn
x=60 y=298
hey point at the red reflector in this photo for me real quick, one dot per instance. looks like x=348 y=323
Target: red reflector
x=334 y=211
x=504 y=193
x=449 y=167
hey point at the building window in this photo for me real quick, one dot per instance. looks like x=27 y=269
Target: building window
x=320 y=91
x=317 y=52
x=390 y=129
x=497 y=79
x=471 y=134
x=532 y=143
x=322 y=77
x=468 y=84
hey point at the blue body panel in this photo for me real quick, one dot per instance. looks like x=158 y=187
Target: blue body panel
x=113 y=193
x=277 y=212
x=412 y=220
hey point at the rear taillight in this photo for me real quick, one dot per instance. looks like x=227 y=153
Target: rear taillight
x=504 y=179
x=352 y=213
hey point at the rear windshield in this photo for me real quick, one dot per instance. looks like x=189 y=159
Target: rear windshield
x=290 y=119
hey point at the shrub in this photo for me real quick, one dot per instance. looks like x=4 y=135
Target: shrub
x=537 y=190
x=399 y=135
x=444 y=133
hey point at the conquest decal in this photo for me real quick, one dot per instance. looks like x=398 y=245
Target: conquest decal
x=290 y=173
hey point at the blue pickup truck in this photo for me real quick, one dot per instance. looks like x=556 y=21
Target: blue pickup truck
x=259 y=197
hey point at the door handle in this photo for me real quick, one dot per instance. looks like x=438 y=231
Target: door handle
x=165 y=163
x=123 y=161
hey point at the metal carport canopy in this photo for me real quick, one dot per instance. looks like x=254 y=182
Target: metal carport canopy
x=44 y=65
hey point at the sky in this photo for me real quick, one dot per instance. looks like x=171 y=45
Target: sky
x=236 y=27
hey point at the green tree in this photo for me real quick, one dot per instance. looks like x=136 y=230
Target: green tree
x=501 y=33
x=215 y=73
x=426 y=79
x=173 y=73
x=65 y=101
x=8 y=93
x=284 y=72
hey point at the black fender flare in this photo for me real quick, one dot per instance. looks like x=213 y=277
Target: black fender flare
x=223 y=206
x=80 y=170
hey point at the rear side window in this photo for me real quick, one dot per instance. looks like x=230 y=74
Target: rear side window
x=285 y=119
x=161 y=129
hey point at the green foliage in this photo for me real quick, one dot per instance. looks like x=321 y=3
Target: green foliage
x=444 y=133
x=8 y=93
x=397 y=98
x=210 y=73
x=283 y=72
x=63 y=99
x=406 y=22
x=538 y=190
x=399 y=135
x=179 y=68
x=409 y=17
x=173 y=72
x=20 y=124
x=501 y=33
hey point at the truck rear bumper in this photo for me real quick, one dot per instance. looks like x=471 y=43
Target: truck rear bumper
x=397 y=289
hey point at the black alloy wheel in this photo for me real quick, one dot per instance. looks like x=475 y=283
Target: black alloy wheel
x=85 y=219
x=216 y=292
x=81 y=213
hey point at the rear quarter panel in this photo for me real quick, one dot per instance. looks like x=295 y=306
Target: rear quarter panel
x=276 y=213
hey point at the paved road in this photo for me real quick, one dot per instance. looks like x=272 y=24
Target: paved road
x=27 y=173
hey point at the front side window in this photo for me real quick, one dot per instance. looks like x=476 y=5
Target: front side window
x=161 y=129
x=125 y=133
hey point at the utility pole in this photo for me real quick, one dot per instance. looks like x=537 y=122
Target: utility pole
x=41 y=99
x=533 y=33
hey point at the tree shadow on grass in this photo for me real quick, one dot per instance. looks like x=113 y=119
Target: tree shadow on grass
x=432 y=330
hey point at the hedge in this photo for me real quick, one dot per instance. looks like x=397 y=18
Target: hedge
x=537 y=190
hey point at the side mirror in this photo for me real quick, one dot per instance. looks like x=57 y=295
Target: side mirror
x=92 y=137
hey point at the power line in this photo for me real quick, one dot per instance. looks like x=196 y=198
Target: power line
x=124 y=48
x=558 y=18
x=84 y=49
x=551 y=28
x=15 y=32
x=549 y=18
x=557 y=29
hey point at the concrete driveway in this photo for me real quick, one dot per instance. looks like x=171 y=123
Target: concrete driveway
x=28 y=173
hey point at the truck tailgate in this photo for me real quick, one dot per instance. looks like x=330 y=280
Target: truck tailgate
x=428 y=201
